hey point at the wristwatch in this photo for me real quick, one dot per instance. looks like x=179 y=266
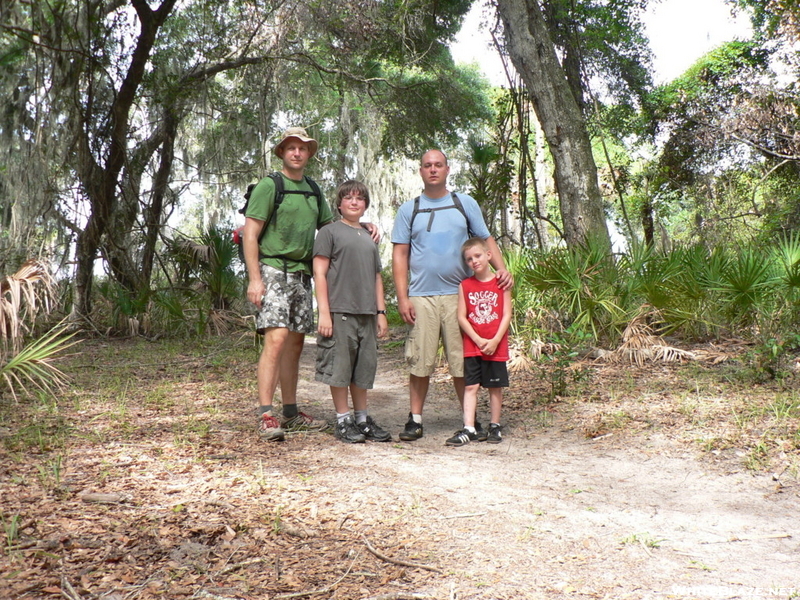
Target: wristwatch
x=381 y=312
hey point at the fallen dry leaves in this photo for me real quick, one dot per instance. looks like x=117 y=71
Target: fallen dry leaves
x=147 y=480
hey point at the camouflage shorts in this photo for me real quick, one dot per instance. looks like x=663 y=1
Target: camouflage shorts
x=287 y=301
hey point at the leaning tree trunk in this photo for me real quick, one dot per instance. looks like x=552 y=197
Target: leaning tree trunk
x=533 y=55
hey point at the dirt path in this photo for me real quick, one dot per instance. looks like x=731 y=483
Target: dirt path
x=205 y=509
x=550 y=514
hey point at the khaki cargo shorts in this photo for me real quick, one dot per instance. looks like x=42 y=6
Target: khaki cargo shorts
x=437 y=317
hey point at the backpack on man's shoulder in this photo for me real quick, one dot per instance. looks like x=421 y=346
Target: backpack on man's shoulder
x=280 y=194
x=432 y=211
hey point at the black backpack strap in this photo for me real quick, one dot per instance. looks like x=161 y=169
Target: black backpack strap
x=280 y=194
x=414 y=214
x=456 y=204
x=317 y=192
x=247 y=195
x=460 y=207
x=277 y=180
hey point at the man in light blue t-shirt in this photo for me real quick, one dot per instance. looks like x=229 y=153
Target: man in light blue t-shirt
x=427 y=269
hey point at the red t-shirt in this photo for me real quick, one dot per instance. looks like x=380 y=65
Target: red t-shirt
x=485 y=306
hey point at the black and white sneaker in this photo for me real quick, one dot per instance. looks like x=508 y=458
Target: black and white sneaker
x=348 y=432
x=373 y=433
x=412 y=431
x=480 y=432
x=462 y=437
x=495 y=434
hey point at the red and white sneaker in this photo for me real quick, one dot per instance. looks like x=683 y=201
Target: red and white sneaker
x=269 y=428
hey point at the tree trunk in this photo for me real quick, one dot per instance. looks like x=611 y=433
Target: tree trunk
x=101 y=183
x=534 y=57
x=155 y=212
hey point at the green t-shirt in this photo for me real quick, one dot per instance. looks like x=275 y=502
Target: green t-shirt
x=290 y=235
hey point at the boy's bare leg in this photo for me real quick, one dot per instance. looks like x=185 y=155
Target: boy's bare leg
x=339 y=395
x=359 y=396
x=495 y=403
x=470 y=404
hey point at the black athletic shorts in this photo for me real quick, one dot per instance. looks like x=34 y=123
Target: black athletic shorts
x=487 y=373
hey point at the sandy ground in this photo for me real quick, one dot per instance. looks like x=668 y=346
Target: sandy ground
x=551 y=514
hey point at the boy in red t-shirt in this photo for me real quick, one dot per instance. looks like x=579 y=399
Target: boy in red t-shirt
x=484 y=314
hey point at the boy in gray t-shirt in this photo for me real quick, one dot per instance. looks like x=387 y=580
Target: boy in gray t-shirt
x=352 y=313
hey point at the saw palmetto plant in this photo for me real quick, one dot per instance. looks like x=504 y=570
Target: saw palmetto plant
x=27 y=365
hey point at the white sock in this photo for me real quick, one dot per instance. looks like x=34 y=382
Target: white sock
x=342 y=416
x=416 y=418
x=361 y=416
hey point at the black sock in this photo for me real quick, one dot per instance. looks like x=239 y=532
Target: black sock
x=290 y=410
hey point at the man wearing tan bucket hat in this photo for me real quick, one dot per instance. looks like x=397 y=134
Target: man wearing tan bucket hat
x=278 y=246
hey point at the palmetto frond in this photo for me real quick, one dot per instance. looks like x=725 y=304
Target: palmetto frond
x=33 y=368
x=640 y=344
x=20 y=301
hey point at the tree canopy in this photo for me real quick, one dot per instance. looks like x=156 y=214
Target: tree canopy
x=118 y=116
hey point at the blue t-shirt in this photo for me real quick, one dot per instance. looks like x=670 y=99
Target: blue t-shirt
x=435 y=258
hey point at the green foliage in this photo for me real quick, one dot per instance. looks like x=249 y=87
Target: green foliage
x=691 y=292
x=744 y=285
x=10 y=529
x=207 y=285
x=437 y=93
x=556 y=367
x=579 y=285
x=717 y=117
x=27 y=365
x=33 y=367
x=199 y=291
x=769 y=358
x=608 y=41
x=121 y=309
x=730 y=63
x=390 y=295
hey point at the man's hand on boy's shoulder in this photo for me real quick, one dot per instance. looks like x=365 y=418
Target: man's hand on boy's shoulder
x=504 y=279
x=373 y=230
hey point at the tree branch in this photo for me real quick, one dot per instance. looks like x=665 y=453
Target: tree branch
x=402 y=563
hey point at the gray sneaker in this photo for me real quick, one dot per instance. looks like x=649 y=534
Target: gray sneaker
x=349 y=432
x=303 y=422
x=270 y=429
x=373 y=433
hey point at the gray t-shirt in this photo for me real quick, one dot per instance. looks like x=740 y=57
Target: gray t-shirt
x=354 y=263
x=435 y=258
